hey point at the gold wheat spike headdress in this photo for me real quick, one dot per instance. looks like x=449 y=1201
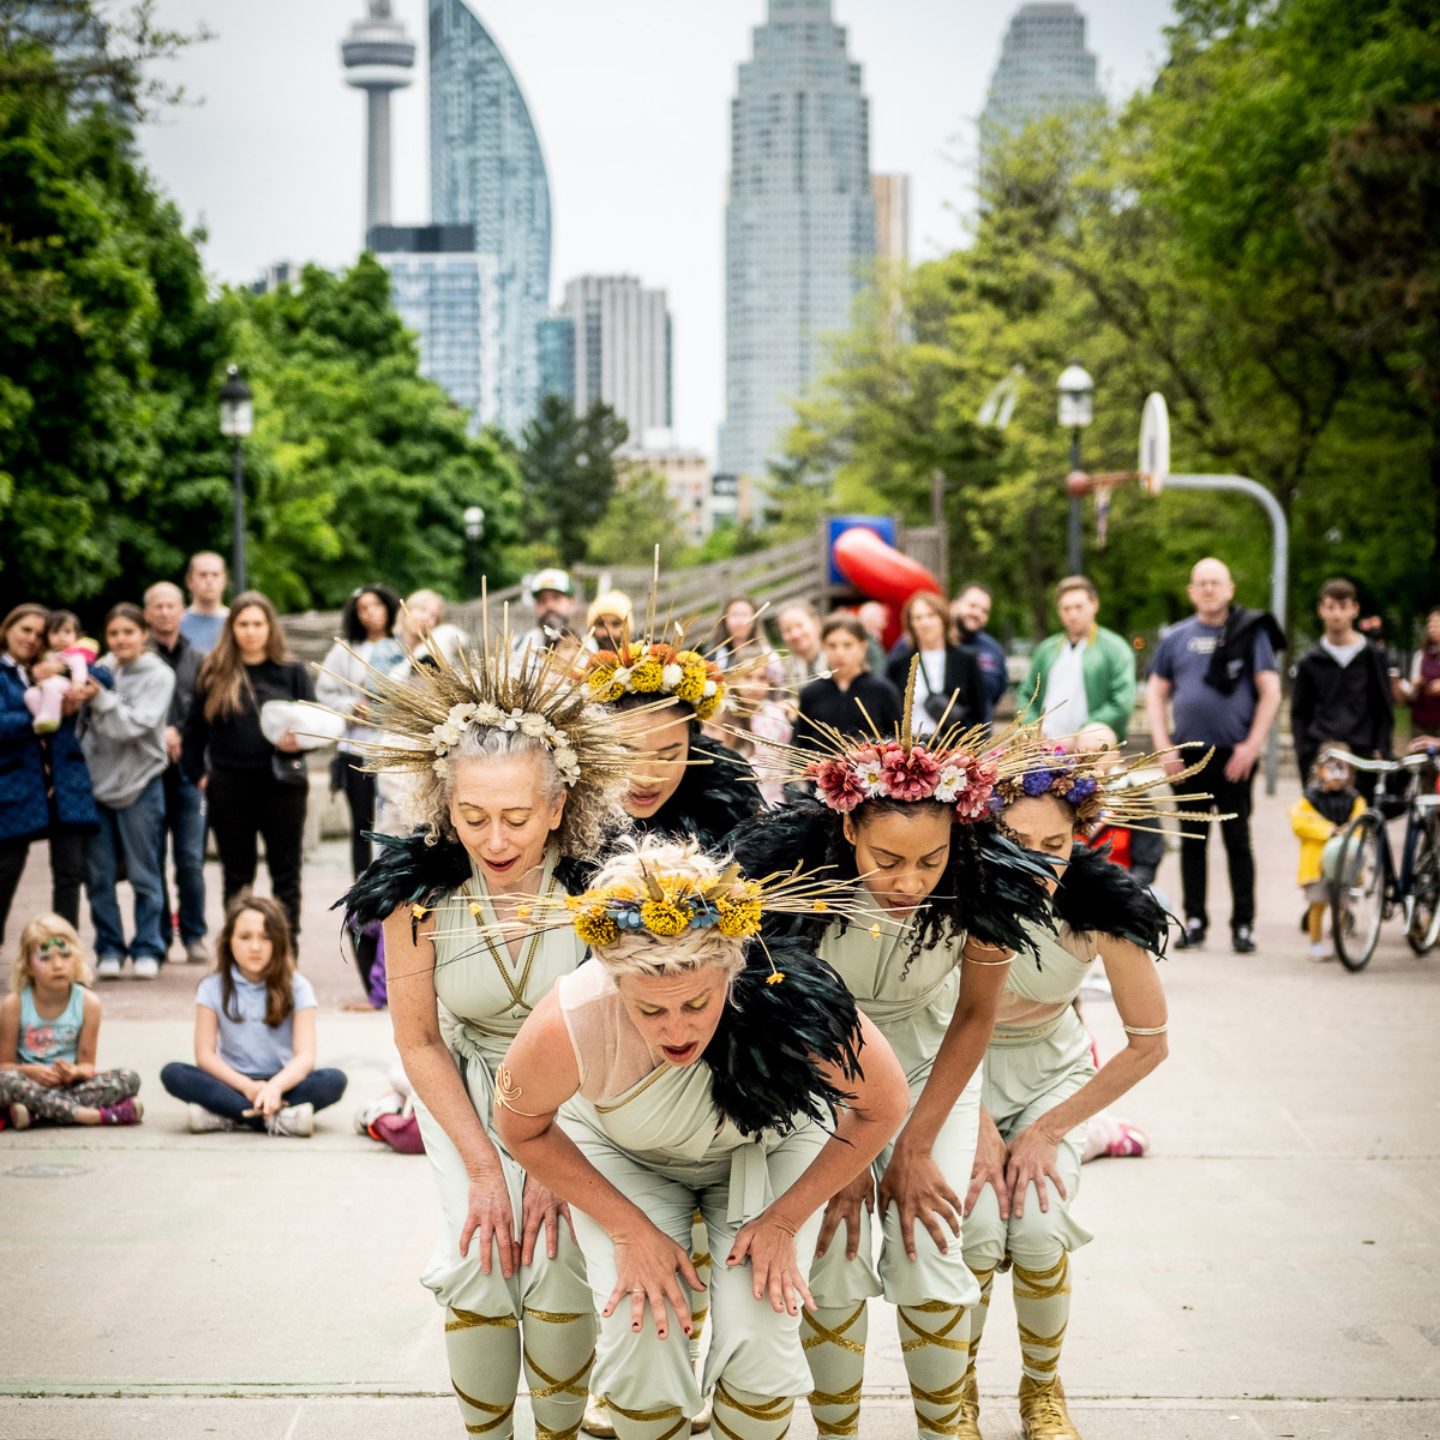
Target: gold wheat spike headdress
x=957 y=765
x=1102 y=789
x=420 y=719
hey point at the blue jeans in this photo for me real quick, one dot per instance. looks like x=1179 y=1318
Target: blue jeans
x=195 y=1086
x=138 y=834
x=185 y=822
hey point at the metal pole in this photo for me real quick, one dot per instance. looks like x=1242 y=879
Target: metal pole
x=1279 y=572
x=937 y=519
x=238 y=557
x=1075 y=522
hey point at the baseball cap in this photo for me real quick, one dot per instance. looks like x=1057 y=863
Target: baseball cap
x=554 y=579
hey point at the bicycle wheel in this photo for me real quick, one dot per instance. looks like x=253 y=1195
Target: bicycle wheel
x=1424 y=928
x=1357 y=893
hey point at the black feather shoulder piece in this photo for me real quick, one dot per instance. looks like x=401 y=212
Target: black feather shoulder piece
x=763 y=1058
x=712 y=798
x=408 y=870
x=1097 y=895
x=1002 y=891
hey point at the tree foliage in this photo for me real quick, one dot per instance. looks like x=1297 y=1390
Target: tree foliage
x=1253 y=237
x=639 y=517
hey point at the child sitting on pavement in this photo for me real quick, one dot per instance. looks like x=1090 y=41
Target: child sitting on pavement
x=254 y=1033
x=1329 y=803
x=49 y=1028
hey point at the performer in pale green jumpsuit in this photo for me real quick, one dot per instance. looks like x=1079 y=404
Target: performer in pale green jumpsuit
x=672 y=1076
x=515 y=776
x=1040 y=1082
x=929 y=975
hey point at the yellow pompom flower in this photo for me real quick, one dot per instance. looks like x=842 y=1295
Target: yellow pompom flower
x=686 y=658
x=691 y=688
x=595 y=927
x=704 y=709
x=664 y=917
x=739 y=918
x=645 y=677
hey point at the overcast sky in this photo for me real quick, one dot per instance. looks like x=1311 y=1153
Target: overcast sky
x=630 y=98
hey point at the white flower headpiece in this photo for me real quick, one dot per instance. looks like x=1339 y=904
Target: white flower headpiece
x=445 y=736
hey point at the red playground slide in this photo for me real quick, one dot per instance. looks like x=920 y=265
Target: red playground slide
x=880 y=571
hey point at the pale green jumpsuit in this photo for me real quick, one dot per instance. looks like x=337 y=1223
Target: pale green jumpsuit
x=912 y=1004
x=1039 y=1056
x=652 y=1130
x=484 y=997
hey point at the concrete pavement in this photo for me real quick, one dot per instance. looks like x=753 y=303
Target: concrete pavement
x=1269 y=1270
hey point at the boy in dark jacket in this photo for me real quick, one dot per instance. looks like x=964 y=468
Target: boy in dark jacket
x=1342 y=691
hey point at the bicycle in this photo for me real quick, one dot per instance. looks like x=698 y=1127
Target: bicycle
x=1366 y=889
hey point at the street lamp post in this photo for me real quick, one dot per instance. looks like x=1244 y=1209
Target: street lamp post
x=474 y=532
x=237 y=420
x=1077 y=396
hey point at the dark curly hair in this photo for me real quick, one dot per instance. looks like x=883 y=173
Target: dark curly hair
x=350 y=627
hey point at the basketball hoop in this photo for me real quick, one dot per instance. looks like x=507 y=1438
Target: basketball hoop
x=1154 y=444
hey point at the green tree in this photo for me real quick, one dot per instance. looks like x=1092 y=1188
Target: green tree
x=109 y=353
x=359 y=469
x=569 y=471
x=640 y=515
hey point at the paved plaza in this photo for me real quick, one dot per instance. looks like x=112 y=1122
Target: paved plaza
x=1271 y=1269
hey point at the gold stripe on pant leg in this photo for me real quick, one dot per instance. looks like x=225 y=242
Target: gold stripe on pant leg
x=835 y=1349
x=563 y=1338
x=626 y=1421
x=484 y=1356
x=936 y=1362
x=1042 y=1312
x=739 y=1415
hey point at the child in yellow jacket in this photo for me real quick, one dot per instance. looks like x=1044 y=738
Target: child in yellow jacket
x=1329 y=803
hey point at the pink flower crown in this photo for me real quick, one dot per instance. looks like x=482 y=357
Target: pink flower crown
x=892 y=770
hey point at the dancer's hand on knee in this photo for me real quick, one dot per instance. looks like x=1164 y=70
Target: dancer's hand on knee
x=1032 y=1158
x=645 y=1265
x=490 y=1216
x=844 y=1207
x=768 y=1242
x=541 y=1206
x=991 y=1157
x=914 y=1184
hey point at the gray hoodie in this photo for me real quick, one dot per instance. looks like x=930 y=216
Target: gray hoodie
x=123 y=730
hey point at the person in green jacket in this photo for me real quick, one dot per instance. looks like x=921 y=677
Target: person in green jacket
x=1083 y=680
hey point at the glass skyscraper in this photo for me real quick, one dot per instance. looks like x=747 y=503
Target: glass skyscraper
x=1044 y=68
x=487 y=171
x=799 y=223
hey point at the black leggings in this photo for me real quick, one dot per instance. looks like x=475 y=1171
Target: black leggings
x=360 y=792
x=244 y=804
x=67 y=874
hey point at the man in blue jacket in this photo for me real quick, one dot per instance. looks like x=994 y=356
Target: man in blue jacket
x=970 y=610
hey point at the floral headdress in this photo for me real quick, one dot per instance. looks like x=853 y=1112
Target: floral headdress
x=669 y=905
x=420 y=717
x=956 y=765
x=1102 y=788
x=656 y=671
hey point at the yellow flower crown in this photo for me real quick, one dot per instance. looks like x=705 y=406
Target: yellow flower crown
x=659 y=672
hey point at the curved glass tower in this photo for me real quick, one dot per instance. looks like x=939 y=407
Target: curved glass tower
x=486 y=170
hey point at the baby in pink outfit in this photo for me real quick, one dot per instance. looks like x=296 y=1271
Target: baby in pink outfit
x=76 y=653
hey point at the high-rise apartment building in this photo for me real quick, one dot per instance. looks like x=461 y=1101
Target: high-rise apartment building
x=487 y=171
x=799 y=222
x=621 y=349
x=557 y=357
x=686 y=474
x=449 y=294
x=1044 y=68
x=892 y=216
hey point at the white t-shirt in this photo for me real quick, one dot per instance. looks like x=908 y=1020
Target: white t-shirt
x=932 y=663
x=1066 y=709
x=1342 y=655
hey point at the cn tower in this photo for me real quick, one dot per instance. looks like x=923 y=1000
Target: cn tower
x=378 y=57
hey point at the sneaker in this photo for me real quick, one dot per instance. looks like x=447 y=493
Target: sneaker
x=1192 y=936
x=1242 y=940
x=297 y=1120
x=200 y=1121
x=20 y=1116
x=1130 y=1143
x=127 y=1112
x=109 y=967
x=196 y=953
x=701 y=1422
x=597 y=1418
x=367 y=1115
x=967 y=1423
x=1321 y=950
x=1043 y=1415
x=147 y=967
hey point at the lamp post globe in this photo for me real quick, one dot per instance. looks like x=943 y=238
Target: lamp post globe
x=474 y=519
x=237 y=420
x=1077 y=409
x=474 y=524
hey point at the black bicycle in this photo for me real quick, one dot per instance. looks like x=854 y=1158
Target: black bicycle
x=1366 y=889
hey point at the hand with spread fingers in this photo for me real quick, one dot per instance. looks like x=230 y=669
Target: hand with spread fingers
x=646 y=1262
x=1032 y=1158
x=490 y=1217
x=768 y=1242
x=914 y=1184
x=541 y=1208
x=844 y=1209
x=991 y=1157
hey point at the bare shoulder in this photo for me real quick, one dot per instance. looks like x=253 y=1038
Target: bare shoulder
x=91 y=1003
x=10 y=1007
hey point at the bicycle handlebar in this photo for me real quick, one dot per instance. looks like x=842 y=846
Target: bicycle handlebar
x=1381 y=767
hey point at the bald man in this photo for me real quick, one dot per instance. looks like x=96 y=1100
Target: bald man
x=184 y=804
x=1219 y=669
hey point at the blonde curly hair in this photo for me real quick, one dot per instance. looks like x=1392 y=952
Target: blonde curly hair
x=639 y=952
